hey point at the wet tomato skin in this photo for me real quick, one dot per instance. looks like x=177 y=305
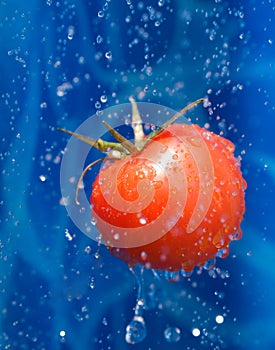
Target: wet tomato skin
x=177 y=249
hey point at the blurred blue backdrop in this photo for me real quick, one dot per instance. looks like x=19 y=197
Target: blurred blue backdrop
x=61 y=61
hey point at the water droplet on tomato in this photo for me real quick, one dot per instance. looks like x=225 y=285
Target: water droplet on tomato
x=157 y=184
x=175 y=156
x=143 y=221
x=116 y=236
x=209 y=264
x=186 y=274
x=143 y=255
x=196 y=142
x=171 y=276
x=236 y=236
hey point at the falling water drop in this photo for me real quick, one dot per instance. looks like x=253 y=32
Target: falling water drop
x=136 y=330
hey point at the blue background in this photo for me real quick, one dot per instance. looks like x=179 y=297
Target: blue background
x=55 y=67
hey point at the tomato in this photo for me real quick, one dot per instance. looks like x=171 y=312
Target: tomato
x=165 y=179
x=171 y=200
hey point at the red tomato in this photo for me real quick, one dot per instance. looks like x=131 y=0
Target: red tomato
x=164 y=179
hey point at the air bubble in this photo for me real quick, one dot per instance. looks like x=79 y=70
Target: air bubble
x=87 y=249
x=236 y=236
x=143 y=255
x=92 y=283
x=100 y=14
x=136 y=330
x=104 y=321
x=68 y=235
x=172 y=334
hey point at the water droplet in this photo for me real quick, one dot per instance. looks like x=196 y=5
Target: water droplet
x=136 y=330
x=43 y=105
x=172 y=276
x=97 y=105
x=143 y=221
x=103 y=98
x=93 y=221
x=92 y=283
x=236 y=236
x=108 y=55
x=68 y=235
x=100 y=14
x=196 y=332
x=172 y=334
x=116 y=236
x=70 y=32
x=42 y=178
x=99 y=39
x=219 y=319
x=209 y=264
x=175 y=156
x=186 y=274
